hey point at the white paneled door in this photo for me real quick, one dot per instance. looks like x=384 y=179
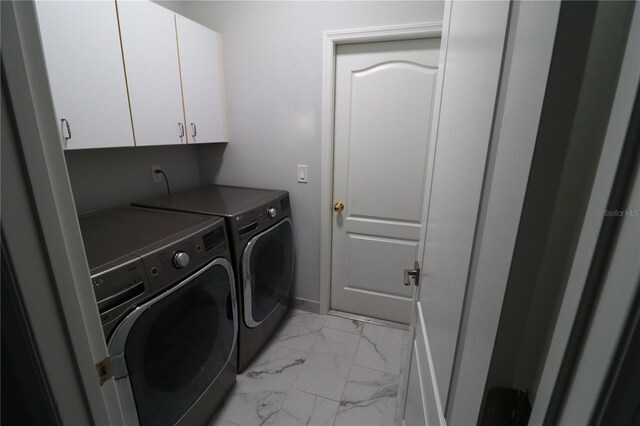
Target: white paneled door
x=383 y=107
x=467 y=94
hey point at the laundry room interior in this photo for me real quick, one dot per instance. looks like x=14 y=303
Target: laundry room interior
x=319 y=212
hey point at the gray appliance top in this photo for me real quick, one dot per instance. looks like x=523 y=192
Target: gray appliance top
x=216 y=200
x=110 y=235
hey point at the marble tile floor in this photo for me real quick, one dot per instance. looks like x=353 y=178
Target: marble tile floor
x=319 y=370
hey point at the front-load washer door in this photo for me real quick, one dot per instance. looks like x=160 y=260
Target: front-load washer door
x=267 y=269
x=175 y=346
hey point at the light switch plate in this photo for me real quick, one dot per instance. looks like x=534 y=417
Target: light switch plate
x=303 y=175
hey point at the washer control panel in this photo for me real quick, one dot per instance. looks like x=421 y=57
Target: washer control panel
x=169 y=263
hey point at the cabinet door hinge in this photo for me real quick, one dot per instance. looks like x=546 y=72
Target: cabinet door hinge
x=104 y=369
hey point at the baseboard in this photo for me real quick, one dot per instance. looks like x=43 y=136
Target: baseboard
x=305 y=305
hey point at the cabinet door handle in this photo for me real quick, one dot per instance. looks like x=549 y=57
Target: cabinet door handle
x=65 y=123
x=181 y=127
x=194 y=131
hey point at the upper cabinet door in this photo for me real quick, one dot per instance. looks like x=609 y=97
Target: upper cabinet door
x=200 y=53
x=153 y=72
x=84 y=63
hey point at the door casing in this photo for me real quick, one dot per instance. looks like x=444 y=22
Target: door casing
x=60 y=306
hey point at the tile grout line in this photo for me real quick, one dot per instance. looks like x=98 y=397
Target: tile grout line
x=345 y=383
x=344 y=331
x=310 y=353
x=373 y=368
x=297 y=375
x=297 y=349
x=270 y=345
x=322 y=397
x=299 y=371
x=377 y=371
x=347 y=319
x=330 y=353
x=339 y=343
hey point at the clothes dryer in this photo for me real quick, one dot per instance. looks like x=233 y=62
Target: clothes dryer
x=260 y=229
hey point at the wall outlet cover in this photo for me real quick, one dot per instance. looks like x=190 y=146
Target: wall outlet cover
x=156 y=177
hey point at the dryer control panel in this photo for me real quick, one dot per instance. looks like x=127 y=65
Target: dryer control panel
x=244 y=226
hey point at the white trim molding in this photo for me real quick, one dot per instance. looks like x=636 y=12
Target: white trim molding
x=53 y=279
x=525 y=68
x=331 y=39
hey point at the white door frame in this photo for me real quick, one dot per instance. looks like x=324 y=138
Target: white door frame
x=41 y=220
x=588 y=382
x=331 y=39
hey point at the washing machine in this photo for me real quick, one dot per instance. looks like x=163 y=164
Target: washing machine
x=166 y=296
x=261 y=238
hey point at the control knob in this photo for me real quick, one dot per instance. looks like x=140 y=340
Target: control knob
x=180 y=259
x=272 y=212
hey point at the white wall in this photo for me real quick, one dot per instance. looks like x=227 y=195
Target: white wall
x=175 y=5
x=103 y=178
x=273 y=79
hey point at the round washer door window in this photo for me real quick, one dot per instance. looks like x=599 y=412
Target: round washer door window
x=267 y=265
x=176 y=347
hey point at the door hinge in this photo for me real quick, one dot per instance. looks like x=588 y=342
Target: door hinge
x=412 y=275
x=65 y=125
x=104 y=369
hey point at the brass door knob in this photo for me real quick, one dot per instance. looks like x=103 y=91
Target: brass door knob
x=338 y=207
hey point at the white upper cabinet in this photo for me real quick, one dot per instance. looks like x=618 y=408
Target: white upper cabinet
x=200 y=63
x=153 y=72
x=84 y=63
x=131 y=73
